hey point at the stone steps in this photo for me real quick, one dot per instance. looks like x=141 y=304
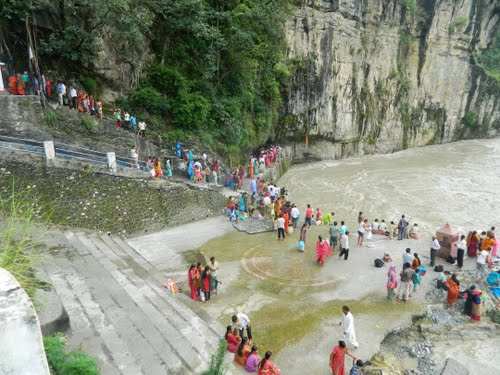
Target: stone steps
x=120 y=313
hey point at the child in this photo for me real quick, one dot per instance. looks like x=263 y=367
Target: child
x=356 y=367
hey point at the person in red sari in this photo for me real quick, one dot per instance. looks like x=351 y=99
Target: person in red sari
x=472 y=244
x=337 y=358
x=266 y=367
x=323 y=250
x=191 y=276
x=250 y=169
x=453 y=289
x=233 y=339
x=287 y=221
x=13 y=84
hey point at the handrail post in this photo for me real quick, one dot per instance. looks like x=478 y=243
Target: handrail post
x=111 y=158
x=50 y=152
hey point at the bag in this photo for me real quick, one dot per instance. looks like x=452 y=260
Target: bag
x=438 y=268
x=301 y=245
x=450 y=259
x=379 y=263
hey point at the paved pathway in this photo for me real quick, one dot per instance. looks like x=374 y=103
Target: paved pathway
x=120 y=314
x=164 y=249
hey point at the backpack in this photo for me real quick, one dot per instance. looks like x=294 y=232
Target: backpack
x=438 y=268
x=379 y=263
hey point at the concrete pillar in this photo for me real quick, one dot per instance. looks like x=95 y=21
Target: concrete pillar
x=111 y=156
x=50 y=152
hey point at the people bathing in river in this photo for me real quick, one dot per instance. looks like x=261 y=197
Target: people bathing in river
x=323 y=250
x=334 y=235
x=344 y=244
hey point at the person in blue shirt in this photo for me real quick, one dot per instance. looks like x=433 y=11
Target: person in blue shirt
x=133 y=122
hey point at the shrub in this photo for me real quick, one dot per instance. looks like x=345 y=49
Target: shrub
x=470 y=120
x=217 y=361
x=64 y=363
x=191 y=111
x=89 y=124
x=410 y=6
x=149 y=99
x=50 y=118
x=90 y=85
x=167 y=80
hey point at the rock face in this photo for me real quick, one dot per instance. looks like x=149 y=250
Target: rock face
x=21 y=345
x=383 y=75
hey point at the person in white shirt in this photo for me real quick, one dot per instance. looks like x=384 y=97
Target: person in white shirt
x=72 y=97
x=295 y=214
x=142 y=128
x=347 y=324
x=481 y=264
x=435 y=246
x=241 y=322
x=61 y=91
x=280 y=223
x=344 y=245
x=407 y=256
x=461 y=247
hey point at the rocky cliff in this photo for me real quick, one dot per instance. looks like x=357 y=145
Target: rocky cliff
x=383 y=75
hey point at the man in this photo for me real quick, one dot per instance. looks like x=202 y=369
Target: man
x=481 y=264
x=334 y=235
x=343 y=228
x=407 y=257
x=241 y=322
x=61 y=91
x=461 y=247
x=344 y=245
x=309 y=215
x=142 y=128
x=347 y=324
x=402 y=227
x=295 y=213
x=435 y=246
x=406 y=282
x=280 y=223
x=253 y=186
x=213 y=265
x=72 y=97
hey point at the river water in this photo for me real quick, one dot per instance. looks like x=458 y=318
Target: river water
x=457 y=183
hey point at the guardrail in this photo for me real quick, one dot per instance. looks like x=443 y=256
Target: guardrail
x=53 y=150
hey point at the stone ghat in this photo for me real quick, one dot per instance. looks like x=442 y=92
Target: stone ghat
x=254 y=226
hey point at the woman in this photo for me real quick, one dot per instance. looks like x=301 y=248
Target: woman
x=206 y=283
x=392 y=282
x=197 y=279
x=453 y=286
x=287 y=220
x=168 y=168
x=253 y=360
x=157 y=168
x=416 y=262
x=337 y=358
x=319 y=216
x=242 y=353
x=472 y=306
x=266 y=367
x=232 y=339
x=302 y=237
x=472 y=244
x=323 y=250
x=191 y=282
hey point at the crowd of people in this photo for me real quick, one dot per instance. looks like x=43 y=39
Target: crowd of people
x=203 y=281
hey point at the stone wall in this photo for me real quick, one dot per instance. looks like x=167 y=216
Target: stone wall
x=21 y=343
x=379 y=76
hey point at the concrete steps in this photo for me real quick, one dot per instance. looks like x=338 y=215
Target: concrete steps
x=120 y=313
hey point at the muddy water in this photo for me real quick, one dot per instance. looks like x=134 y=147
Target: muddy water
x=457 y=183
x=294 y=304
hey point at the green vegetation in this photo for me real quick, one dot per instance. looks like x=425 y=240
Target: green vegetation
x=217 y=361
x=410 y=6
x=89 y=123
x=489 y=59
x=17 y=250
x=470 y=120
x=62 y=362
x=50 y=118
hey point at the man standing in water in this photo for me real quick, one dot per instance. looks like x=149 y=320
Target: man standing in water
x=344 y=245
x=295 y=213
x=347 y=324
x=280 y=223
x=334 y=235
x=402 y=227
x=435 y=246
x=309 y=215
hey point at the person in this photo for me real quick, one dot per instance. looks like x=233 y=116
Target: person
x=407 y=257
x=435 y=246
x=414 y=232
x=356 y=367
x=280 y=224
x=347 y=324
x=392 y=230
x=241 y=322
x=295 y=213
x=157 y=168
x=461 y=246
x=253 y=360
x=402 y=227
x=337 y=358
x=309 y=215
x=416 y=262
x=406 y=280
x=453 y=286
x=481 y=264
x=416 y=279
x=319 y=216
x=392 y=282
x=472 y=244
x=266 y=367
x=214 y=266
x=286 y=217
x=73 y=94
x=323 y=250
x=197 y=279
x=98 y=106
x=241 y=355
x=206 y=283
x=382 y=227
x=142 y=128
x=303 y=236
x=343 y=228
x=344 y=245
x=117 y=114
x=233 y=339
x=334 y=235
x=61 y=92
x=361 y=233
x=360 y=217
x=168 y=168
x=191 y=282
x=472 y=305
x=327 y=218
x=133 y=122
